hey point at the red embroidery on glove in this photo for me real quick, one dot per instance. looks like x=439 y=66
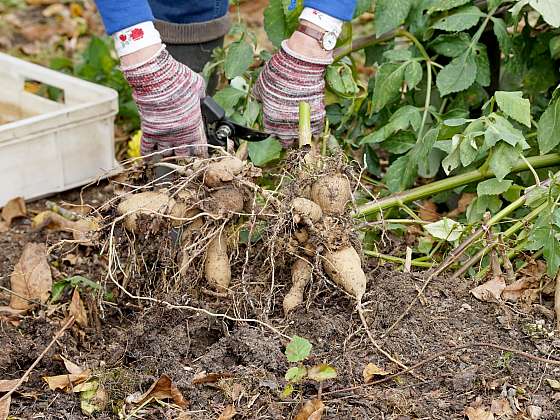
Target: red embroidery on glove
x=122 y=37
x=136 y=34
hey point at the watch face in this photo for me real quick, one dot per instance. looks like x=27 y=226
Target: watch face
x=329 y=41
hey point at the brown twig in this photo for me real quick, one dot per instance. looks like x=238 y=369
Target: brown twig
x=38 y=359
x=445 y=353
x=378 y=347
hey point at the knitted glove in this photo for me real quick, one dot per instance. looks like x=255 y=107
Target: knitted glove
x=286 y=80
x=168 y=95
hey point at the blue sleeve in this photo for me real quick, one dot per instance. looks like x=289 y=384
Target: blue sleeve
x=122 y=14
x=340 y=9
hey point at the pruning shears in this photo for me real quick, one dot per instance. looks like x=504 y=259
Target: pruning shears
x=221 y=131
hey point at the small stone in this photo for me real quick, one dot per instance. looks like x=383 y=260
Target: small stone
x=534 y=412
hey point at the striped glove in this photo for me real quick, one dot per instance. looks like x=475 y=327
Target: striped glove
x=168 y=95
x=286 y=80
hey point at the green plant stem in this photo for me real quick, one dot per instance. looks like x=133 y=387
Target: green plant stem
x=449 y=184
x=509 y=232
x=362 y=42
x=397 y=260
x=304 y=124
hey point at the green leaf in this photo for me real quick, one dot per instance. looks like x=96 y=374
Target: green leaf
x=362 y=6
x=482 y=66
x=455 y=122
x=446 y=229
x=479 y=205
x=493 y=187
x=458 y=75
x=58 y=289
x=451 y=45
x=468 y=150
x=321 y=373
x=401 y=174
x=340 y=79
x=554 y=46
x=238 y=59
x=389 y=14
x=515 y=106
x=464 y=18
x=274 y=22
x=500 y=128
x=413 y=74
x=292 y=10
x=296 y=374
x=298 y=349
x=545 y=236
x=549 y=9
x=549 y=128
x=500 y=30
x=388 y=83
x=443 y=5
x=403 y=118
x=453 y=159
x=288 y=390
x=504 y=157
x=400 y=143
x=263 y=152
x=228 y=98
x=83 y=282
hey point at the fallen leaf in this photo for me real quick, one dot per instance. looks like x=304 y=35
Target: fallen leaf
x=72 y=367
x=77 y=309
x=38 y=32
x=209 y=378
x=462 y=205
x=6 y=385
x=4 y=227
x=68 y=381
x=228 y=413
x=371 y=371
x=311 y=410
x=5 y=407
x=501 y=407
x=13 y=209
x=554 y=384
x=491 y=290
x=428 y=211
x=321 y=372
x=534 y=412
x=163 y=388
x=515 y=291
x=478 y=413
x=81 y=229
x=31 y=277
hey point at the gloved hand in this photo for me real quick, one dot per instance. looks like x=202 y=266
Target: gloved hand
x=286 y=80
x=168 y=95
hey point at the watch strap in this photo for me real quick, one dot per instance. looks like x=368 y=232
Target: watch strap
x=313 y=33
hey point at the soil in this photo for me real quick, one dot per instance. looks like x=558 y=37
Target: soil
x=133 y=343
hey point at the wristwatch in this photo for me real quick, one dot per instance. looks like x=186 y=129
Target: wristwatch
x=327 y=40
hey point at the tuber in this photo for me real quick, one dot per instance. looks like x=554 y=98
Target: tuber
x=222 y=171
x=332 y=193
x=301 y=274
x=302 y=209
x=217 y=267
x=344 y=267
x=147 y=202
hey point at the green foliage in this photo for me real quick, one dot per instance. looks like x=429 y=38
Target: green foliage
x=390 y=14
x=238 y=59
x=265 y=151
x=60 y=286
x=298 y=349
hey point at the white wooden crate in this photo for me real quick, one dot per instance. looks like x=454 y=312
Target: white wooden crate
x=46 y=146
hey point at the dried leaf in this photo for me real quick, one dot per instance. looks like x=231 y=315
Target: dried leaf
x=228 y=413
x=31 y=277
x=13 y=209
x=513 y=292
x=67 y=382
x=4 y=227
x=428 y=212
x=38 y=32
x=81 y=229
x=209 y=378
x=371 y=371
x=478 y=413
x=72 y=367
x=6 y=385
x=554 y=384
x=321 y=372
x=77 y=309
x=311 y=410
x=162 y=389
x=462 y=205
x=5 y=407
x=501 y=407
x=491 y=290
x=6 y=310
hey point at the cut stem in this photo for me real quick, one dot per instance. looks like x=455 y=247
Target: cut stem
x=304 y=124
